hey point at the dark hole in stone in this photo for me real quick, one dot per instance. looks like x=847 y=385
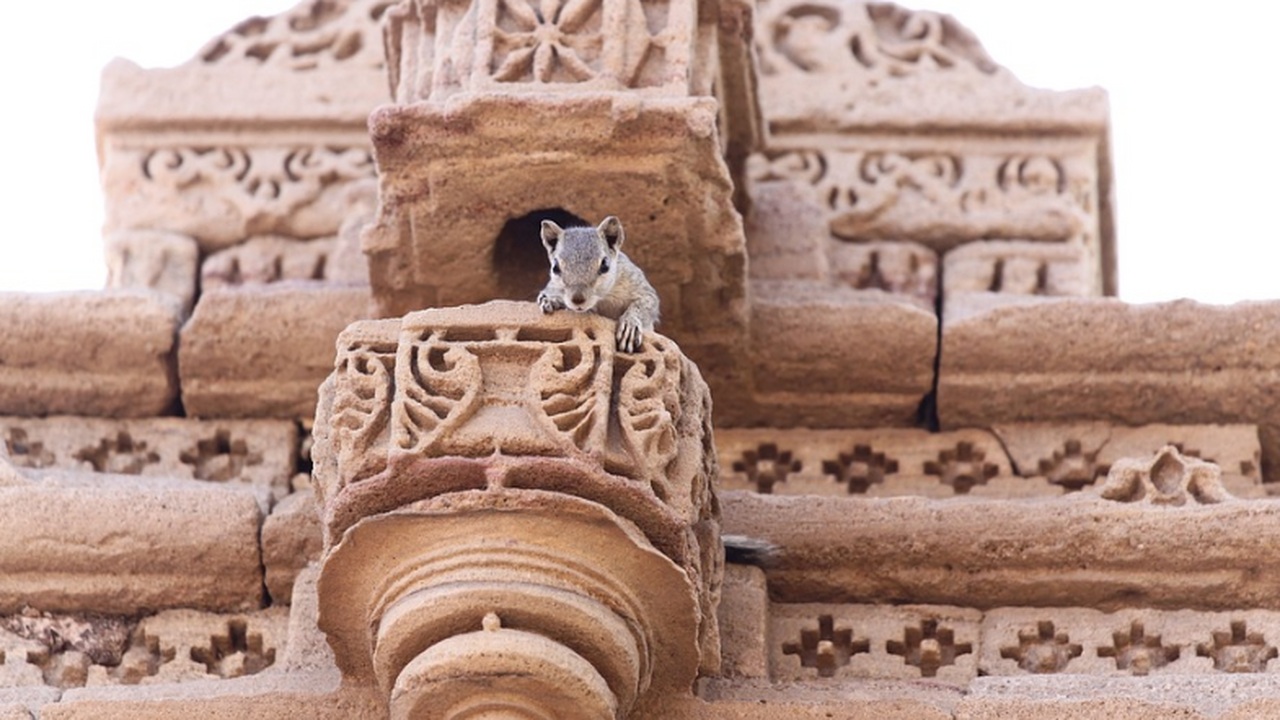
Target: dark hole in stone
x=519 y=259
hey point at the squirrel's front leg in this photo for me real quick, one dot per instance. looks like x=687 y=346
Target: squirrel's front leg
x=631 y=329
x=548 y=303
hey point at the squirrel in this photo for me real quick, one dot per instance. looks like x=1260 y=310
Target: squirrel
x=590 y=272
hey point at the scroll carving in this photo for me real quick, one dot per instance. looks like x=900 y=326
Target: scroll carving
x=936 y=197
x=876 y=39
x=365 y=383
x=313 y=35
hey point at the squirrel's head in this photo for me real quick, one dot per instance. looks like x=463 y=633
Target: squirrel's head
x=583 y=260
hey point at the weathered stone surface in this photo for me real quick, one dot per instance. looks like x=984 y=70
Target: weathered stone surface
x=806 y=368
x=1089 y=359
x=843 y=642
x=1075 y=641
x=255 y=453
x=1220 y=697
x=269 y=143
x=763 y=700
x=104 y=354
x=1073 y=550
x=874 y=463
x=291 y=538
x=898 y=126
x=1019 y=268
x=126 y=545
x=744 y=623
x=268 y=696
x=546 y=499
x=263 y=352
x=1078 y=455
x=149 y=259
x=267 y=259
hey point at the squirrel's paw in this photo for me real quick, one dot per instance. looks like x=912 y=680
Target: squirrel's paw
x=548 y=303
x=630 y=335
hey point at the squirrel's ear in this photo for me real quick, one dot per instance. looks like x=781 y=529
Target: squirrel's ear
x=611 y=231
x=551 y=233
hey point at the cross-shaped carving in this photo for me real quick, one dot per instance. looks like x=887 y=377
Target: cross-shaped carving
x=825 y=648
x=1072 y=467
x=962 y=467
x=860 y=469
x=1137 y=653
x=1238 y=651
x=1042 y=650
x=928 y=647
x=219 y=458
x=766 y=466
x=236 y=653
x=121 y=454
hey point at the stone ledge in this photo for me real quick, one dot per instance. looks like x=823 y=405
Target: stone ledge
x=121 y=545
x=88 y=353
x=264 y=352
x=1074 y=550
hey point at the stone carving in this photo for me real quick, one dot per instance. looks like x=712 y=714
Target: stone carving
x=1238 y=650
x=256 y=453
x=826 y=648
x=860 y=469
x=312 y=36
x=162 y=261
x=257 y=180
x=766 y=466
x=928 y=647
x=580 y=480
x=540 y=45
x=1138 y=652
x=1168 y=478
x=962 y=467
x=943 y=198
x=267 y=259
x=1042 y=649
x=879 y=40
x=1072 y=467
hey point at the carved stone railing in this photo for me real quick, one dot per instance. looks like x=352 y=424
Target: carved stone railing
x=516 y=515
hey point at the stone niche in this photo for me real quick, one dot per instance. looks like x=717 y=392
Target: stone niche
x=516 y=516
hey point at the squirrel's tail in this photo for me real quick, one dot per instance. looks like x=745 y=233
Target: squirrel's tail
x=745 y=550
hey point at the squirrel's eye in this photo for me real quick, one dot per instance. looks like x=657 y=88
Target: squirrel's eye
x=604 y=266
x=555 y=268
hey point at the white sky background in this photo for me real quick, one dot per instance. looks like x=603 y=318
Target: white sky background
x=1195 y=102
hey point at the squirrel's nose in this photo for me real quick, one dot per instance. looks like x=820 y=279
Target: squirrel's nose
x=579 y=298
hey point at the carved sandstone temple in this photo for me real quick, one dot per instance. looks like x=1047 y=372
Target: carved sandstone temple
x=315 y=454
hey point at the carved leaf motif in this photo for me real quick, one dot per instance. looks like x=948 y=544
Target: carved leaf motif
x=648 y=408
x=361 y=409
x=438 y=390
x=566 y=375
x=260 y=180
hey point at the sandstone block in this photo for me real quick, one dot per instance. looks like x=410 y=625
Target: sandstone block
x=102 y=354
x=1078 y=455
x=873 y=463
x=150 y=259
x=1085 y=359
x=834 y=356
x=263 y=352
x=259 y=454
x=843 y=642
x=1072 y=550
x=764 y=700
x=267 y=696
x=1019 y=268
x=291 y=538
x=1220 y=697
x=267 y=259
x=124 y=546
x=1133 y=642
x=744 y=623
